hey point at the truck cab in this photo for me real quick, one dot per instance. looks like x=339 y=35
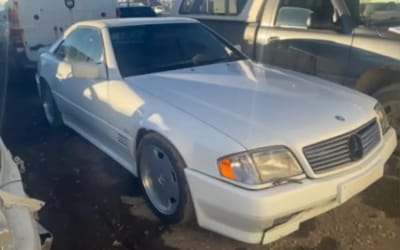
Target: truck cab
x=352 y=42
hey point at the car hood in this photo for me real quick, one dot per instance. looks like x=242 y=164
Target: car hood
x=259 y=107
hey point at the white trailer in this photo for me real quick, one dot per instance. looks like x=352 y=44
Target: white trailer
x=38 y=23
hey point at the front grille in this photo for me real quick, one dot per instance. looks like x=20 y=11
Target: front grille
x=335 y=152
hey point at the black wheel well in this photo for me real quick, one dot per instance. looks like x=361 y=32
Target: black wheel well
x=143 y=131
x=140 y=134
x=373 y=80
x=42 y=81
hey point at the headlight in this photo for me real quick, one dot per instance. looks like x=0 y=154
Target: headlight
x=382 y=117
x=260 y=166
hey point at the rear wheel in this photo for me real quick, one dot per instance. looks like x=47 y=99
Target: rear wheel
x=389 y=97
x=161 y=170
x=50 y=109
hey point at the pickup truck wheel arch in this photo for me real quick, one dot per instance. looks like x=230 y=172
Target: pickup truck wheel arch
x=389 y=96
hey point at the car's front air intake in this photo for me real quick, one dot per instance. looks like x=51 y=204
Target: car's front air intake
x=343 y=149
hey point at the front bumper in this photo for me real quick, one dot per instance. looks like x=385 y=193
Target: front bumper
x=263 y=216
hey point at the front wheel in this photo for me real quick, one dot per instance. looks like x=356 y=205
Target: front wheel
x=161 y=170
x=389 y=97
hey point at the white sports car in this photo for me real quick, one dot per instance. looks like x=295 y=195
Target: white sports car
x=250 y=151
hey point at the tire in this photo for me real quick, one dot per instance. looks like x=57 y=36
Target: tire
x=389 y=97
x=161 y=171
x=50 y=109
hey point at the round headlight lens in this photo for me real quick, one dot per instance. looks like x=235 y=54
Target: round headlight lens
x=260 y=166
x=275 y=164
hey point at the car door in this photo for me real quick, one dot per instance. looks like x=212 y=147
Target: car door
x=83 y=100
x=286 y=39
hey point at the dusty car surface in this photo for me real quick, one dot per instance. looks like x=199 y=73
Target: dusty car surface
x=355 y=43
x=18 y=226
x=250 y=151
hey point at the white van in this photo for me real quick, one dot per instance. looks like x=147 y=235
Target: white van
x=36 y=24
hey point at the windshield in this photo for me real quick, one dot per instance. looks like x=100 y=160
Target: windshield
x=376 y=12
x=152 y=48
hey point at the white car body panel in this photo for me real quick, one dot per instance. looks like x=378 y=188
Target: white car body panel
x=235 y=100
x=208 y=112
x=249 y=219
x=240 y=94
x=17 y=212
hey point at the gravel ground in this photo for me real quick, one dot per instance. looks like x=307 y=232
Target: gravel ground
x=92 y=203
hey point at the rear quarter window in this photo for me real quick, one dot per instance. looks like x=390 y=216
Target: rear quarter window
x=212 y=7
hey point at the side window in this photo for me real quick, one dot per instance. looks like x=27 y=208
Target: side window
x=212 y=7
x=293 y=17
x=295 y=13
x=82 y=45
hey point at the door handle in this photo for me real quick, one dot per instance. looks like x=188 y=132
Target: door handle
x=273 y=38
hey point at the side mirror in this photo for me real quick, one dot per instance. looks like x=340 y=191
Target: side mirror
x=315 y=21
x=87 y=70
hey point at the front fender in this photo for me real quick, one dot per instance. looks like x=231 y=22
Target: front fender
x=199 y=144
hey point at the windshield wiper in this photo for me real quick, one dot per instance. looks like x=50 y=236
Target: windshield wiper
x=217 y=60
x=165 y=67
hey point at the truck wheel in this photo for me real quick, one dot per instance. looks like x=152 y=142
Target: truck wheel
x=390 y=99
x=161 y=170
x=53 y=115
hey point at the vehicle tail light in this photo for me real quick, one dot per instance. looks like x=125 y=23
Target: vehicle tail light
x=16 y=32
x=13 y=16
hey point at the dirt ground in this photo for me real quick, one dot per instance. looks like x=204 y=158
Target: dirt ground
x=92 y=203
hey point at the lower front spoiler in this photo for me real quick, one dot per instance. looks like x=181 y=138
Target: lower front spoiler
x=263 y=216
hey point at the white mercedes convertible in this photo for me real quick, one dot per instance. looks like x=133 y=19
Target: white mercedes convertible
x=249 y=151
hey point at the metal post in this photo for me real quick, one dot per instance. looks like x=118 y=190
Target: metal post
x=3 y=83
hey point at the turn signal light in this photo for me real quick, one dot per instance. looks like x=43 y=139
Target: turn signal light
x=226 y=170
